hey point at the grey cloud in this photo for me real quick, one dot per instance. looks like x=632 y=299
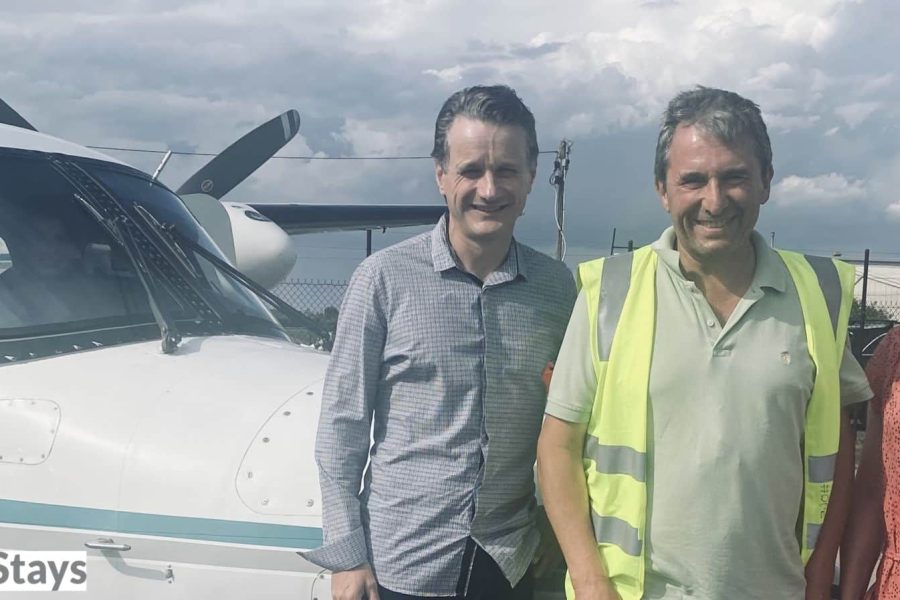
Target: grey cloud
x=536 y=51
x=163 y=74
x=659 y=3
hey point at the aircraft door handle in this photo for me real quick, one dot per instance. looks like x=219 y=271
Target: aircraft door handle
x=107 y=544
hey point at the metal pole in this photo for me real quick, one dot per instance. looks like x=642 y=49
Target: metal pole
x=612 y=246
x=368 y=242
x=631 y=245
x=558 y=179
x=162 y=165
x=862 y=319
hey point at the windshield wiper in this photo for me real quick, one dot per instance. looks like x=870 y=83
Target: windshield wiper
x=174 y=248
x=118 y=228
x=325 y=337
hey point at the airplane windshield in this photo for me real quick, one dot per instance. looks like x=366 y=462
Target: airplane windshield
x=68 y=282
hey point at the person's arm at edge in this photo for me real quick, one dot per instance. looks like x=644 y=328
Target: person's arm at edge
x=854 y=389
x=820 y=568
x=342 y=442
x=564 y=489
x=864 y=536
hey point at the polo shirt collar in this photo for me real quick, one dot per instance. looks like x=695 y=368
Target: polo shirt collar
x=770 y=270
x=443 y=257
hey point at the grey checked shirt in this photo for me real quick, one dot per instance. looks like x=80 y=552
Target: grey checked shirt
x=449 y=368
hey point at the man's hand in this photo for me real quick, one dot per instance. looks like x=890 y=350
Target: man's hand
x=356 y=584
x=548 y=555
x=819 y=576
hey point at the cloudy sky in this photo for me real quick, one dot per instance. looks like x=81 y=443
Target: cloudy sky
x=369 y=76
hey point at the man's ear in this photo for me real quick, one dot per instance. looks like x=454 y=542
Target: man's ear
x=767 y=184
x=531 y=181
x=663 y=195
x=438 y=175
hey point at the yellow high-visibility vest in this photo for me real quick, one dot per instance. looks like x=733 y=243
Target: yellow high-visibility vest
x=621 y=298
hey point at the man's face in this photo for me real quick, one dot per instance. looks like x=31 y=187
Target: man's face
x=486 y=179
x=713 y=193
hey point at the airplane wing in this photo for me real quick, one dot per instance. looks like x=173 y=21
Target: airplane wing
x=9 y=116
x=315 y=218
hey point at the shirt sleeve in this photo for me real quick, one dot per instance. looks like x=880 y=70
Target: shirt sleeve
x=854 y=385
x=574 y=381
x=881 y=368
x=342 y=442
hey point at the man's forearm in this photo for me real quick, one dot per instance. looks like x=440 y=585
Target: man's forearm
x=832 y=531
x=344 y=546
x=564 y=490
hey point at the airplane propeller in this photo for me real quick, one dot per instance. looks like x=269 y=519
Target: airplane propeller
x=256 y=237
x=243 y=157
x=203 y=191
x=10 y=117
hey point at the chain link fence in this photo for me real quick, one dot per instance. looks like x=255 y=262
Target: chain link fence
x=319 y=299
x=878 y=289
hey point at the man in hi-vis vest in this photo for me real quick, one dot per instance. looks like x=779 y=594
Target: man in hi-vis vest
x=694 y=444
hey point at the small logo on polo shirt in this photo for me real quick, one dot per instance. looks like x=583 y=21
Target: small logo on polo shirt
x=786 y=357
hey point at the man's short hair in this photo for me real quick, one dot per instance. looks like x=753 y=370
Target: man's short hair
x=720 y=113
x=497 y=104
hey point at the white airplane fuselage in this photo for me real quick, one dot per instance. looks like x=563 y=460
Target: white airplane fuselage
x=182 y=475
x=201 y=461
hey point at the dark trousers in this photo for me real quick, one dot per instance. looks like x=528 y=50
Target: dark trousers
x=483 y=581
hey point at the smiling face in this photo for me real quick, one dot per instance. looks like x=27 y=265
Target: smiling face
x=486 y=179
x=713 y=192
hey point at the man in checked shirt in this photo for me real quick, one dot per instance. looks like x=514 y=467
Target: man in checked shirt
x=440 y=343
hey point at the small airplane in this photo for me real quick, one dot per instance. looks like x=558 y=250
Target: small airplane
x=153 y=411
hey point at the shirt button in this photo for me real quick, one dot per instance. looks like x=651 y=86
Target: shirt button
x=711 y=322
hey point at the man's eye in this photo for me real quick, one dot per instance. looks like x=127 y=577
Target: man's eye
x=506 y=172
x=470 y=173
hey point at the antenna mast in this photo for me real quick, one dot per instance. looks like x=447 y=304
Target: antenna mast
x=558 y=180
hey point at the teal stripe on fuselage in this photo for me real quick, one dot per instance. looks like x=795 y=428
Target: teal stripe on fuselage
x=191 y=528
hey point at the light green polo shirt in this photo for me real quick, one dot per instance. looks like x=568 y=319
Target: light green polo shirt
x=727 y=408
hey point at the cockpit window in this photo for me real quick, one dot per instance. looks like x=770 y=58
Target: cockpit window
x=62 y=266
x=62 y=271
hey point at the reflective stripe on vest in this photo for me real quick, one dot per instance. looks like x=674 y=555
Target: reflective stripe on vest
x=615 y=458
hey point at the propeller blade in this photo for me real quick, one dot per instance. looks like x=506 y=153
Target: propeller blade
x=9 y=116
x=240 y=159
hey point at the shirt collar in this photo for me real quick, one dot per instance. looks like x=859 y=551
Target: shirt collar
x=443 y=257
x=441 y=252
x=770 y=270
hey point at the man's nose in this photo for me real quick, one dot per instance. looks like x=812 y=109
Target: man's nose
x=487 y=187
x=715 y=198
